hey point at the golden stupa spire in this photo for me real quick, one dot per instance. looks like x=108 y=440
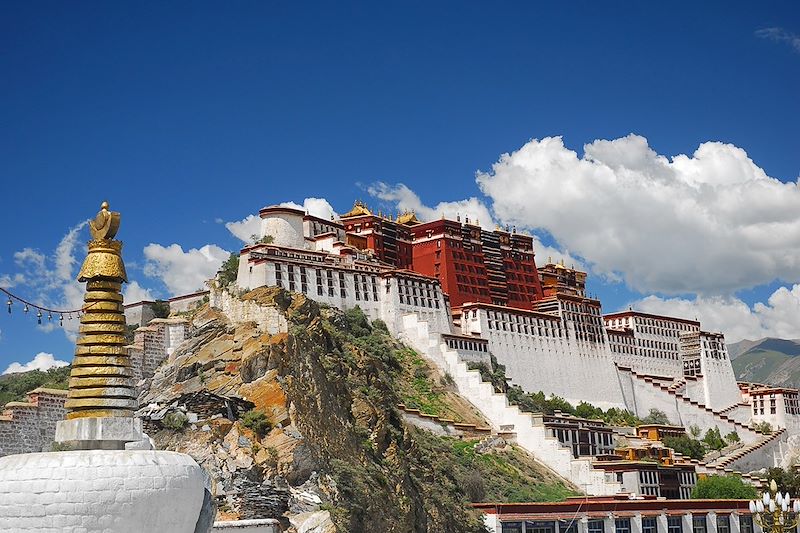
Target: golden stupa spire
x=101 y=382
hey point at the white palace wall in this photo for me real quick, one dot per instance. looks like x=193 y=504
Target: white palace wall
x=539 y=355
x=719 y=382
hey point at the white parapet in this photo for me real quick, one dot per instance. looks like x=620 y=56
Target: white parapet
x=100 y=491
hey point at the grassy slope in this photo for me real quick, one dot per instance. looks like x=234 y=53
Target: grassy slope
x=14 y=386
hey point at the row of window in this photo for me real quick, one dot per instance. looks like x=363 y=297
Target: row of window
x=623 y=525
x=417 y=293
x=463 y=344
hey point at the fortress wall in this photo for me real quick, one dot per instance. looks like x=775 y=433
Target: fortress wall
x=721 y=390
x=28 y=427
x=539 y=356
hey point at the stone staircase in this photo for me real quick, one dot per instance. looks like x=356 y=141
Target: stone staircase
x=730 y=458
x=505 y=417
x=698 y=409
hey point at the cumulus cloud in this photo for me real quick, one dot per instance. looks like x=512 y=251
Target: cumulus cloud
x=136 y=293
x=42 y=361
x=710 y=223
x=245 y=229
x=319 y=207
x=778 y=317
x=183 y=271
x=780 y=35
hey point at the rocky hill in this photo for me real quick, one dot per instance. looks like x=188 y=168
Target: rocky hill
x=306 y=424
x=768 y=360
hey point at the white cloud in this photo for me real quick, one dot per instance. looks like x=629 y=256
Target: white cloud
x=778 y=317
x=318 y=207
x=42 y=361
x=780 y=35
x=183 y=272
x=136 y=293
x=245 y=229
x=49 y=280
x=7 y=281
x=710 y=223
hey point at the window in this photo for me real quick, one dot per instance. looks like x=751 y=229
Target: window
x=723 y=523
x=649 y=524
x=595 y=526
x=745 y=524
x=511 y=527
x=674 y=524
x=622 y=525
x=568 y=526
x=699 y=523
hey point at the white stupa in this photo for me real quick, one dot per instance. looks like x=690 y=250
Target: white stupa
x=100 y=486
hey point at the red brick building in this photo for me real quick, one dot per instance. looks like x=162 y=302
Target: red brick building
x=473 y=264
x=389 y=240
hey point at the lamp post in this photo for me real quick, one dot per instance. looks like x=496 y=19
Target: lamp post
x=775 y=512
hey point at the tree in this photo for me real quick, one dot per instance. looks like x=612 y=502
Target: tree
x=723 y=487
x=686 y=446
x=713 y=439
x=787 y=480
x=229 y=270
x=695 y=431
x=732 y=437
x=656 y=416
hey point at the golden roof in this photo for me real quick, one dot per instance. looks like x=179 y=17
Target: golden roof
x=359 y=209
x=409 y=218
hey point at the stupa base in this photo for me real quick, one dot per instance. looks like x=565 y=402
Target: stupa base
x=110 y=433
x=100 y=491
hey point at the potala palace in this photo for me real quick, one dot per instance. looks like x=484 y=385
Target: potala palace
x=458 y=292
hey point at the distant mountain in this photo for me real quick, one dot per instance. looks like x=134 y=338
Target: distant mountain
x=767 y=360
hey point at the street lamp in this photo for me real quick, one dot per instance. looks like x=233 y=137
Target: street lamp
x=775 y=512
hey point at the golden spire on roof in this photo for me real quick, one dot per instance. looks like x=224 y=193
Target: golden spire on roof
x=409 y=218
x=359 y=209
x=101 y=380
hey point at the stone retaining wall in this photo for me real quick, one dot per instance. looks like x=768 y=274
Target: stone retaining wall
x=28 y=427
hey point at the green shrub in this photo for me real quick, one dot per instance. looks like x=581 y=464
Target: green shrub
x=160 y=309
x=229 y=270
x=686 y=445
x=257 y=422
x=732 y=437
x=713 y=439
x=175 y=420
x=763 y=427
x=656 y=416
x=722 y=488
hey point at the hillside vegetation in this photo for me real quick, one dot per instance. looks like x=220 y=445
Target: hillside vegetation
x=13 y=387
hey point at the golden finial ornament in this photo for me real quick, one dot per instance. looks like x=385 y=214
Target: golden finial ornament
x=101 y=382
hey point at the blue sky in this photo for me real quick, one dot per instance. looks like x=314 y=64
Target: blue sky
x=185 y=115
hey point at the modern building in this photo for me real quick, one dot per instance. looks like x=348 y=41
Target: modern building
x=620 y=514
